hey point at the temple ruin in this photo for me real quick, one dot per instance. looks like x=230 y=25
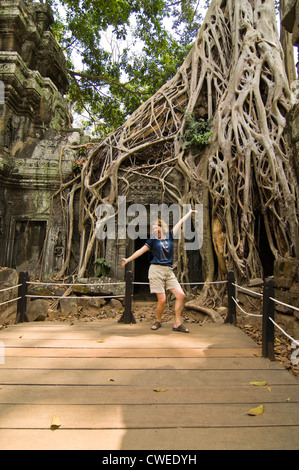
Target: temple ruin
x=35 y=123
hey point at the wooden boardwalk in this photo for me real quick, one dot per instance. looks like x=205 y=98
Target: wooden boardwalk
x=123 y=387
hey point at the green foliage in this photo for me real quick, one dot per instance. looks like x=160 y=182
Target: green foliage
x=112 y=80
x=102 y=268
x=198 y=132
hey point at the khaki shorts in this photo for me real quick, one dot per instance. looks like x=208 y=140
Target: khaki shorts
x=161 y=278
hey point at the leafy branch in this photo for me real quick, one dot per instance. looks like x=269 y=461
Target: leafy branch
x=198 y=132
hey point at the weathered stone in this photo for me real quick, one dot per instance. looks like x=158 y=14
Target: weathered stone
x=68 y=306
x=290 y=268
x=294 y=291
x=283 y=282
x=256 y=282
x=278 y=268
x=116 y=304
x=100 y=286
x=8 y=278
x=290 y=20
x=37 y=310
x=96 y=302
x=283 y=296
x=35 y=123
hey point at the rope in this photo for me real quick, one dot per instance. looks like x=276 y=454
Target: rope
x=76 y=297
x=57 y=284
x=249 y=314
x=202 y=283
x=279 y=327
x=12 y=300
x=185 y=283
x=248 y=290
x=9 y=288
x=286 y=305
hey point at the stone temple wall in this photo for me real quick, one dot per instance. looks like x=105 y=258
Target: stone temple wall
x=35 y=123
x=286 y=282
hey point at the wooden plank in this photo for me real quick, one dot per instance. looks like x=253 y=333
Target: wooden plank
x=131 y=394
x=110 y=363
x=246 y=438
x=156 y=378
x=126 y=343
x=132 y=352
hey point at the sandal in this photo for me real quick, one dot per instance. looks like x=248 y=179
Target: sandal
x=181 y=328
x=156 y=326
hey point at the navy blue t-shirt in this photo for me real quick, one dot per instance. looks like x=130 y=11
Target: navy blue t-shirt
x=161 y=249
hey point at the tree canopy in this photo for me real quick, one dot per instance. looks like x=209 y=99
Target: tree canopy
x=126 y=51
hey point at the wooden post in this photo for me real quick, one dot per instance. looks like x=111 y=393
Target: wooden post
x=231 y=291
x=22 y=302
x=128 y=317
x=268 y=327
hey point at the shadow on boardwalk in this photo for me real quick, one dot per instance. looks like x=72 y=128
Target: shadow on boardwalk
x=123 y=387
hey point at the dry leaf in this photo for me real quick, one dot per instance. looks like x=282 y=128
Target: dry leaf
x=100 y=340
x=256 y=411
x=258 y=384
x=55 y=424
x=159 y=389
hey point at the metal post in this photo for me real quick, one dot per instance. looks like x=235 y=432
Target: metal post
x=268 y=327
x=231 y=291
x=128 y=317
x=22 y=302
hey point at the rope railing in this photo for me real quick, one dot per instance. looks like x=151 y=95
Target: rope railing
x=284 y=332
x=10 y=288
x=10 y=300
x=59 y=297
x=268 y=304
x=185 y=283
x=243 y=311
x=285 y=305
x=268 y=313
x=248 y=290
x=23 y=294
x=75 y=284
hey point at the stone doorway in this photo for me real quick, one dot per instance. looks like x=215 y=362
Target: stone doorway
x=27 y=244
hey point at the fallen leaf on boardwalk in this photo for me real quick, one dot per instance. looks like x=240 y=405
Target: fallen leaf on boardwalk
x=258 y=384
x=55 y=424
x=101 y=341
x=256 y=411
x=160 y=389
